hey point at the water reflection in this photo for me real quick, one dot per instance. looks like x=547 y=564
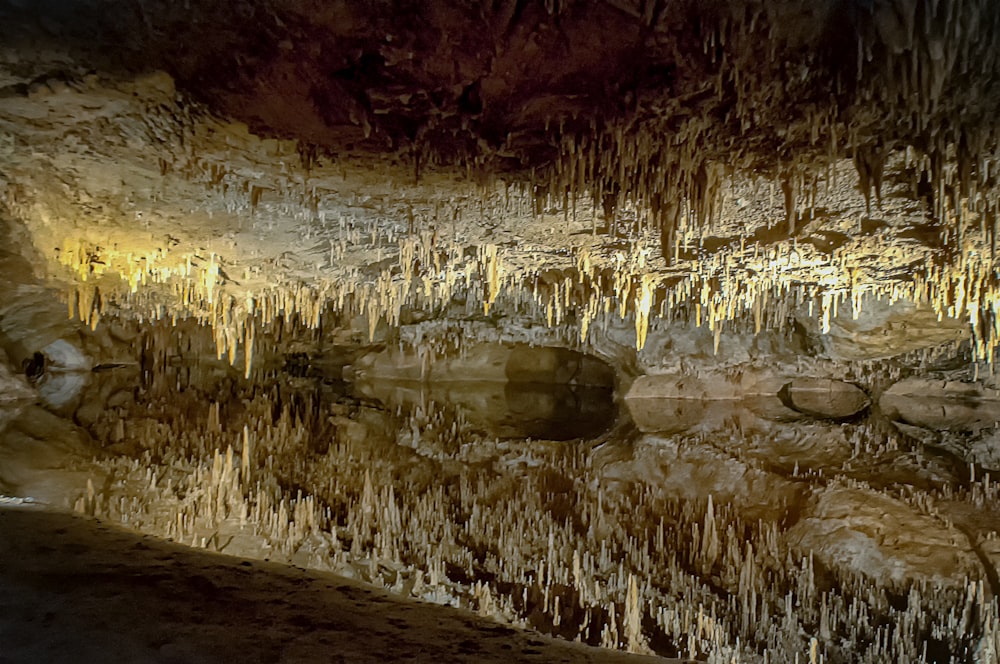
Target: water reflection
x=506 y=410
x=457 y=491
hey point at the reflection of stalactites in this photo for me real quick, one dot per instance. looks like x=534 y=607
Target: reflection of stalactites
x=790 y=189
x=710 y=539
x=245 y=459
x=248 y=348
x=869 y=160
x=635 y=641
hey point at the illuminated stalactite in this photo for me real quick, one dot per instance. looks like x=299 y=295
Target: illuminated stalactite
x=751 y=288
x=606 y=210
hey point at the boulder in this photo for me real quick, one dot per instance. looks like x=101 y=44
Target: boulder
x=13 y=386
x=709 y=387
x=824 y=398
x=30 y=320
x=486 y=362
x=46 y=457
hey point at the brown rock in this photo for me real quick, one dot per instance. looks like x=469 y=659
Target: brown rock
x=942 y=405
x=884 y=329
x=822 y=397
x=864 y=531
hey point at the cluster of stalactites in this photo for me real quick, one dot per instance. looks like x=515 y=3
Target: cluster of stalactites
x=745 y=287
x=926 y=82
x=673 y=190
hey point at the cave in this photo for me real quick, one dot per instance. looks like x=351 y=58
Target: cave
x=513 y=330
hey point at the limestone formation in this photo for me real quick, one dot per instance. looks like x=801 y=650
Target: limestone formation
x=942 y=405
x=824 y=398
x=668 y=327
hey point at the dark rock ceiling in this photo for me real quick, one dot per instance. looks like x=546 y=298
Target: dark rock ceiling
x=648 y=101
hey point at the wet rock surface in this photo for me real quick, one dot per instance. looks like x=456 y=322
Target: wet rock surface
x=823 y=398
x=69 y=569
x=13 y=387
x=942 y=405
x=664 y=402
x=46 y=458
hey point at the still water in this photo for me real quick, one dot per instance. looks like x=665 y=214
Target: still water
x=710 y=528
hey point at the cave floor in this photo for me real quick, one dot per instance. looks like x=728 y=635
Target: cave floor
x=81 y=590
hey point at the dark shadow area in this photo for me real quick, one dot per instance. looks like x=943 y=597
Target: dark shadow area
x=78 y=590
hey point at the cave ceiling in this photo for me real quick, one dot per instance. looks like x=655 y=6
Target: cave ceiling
x=644 y=96
x=716 y=152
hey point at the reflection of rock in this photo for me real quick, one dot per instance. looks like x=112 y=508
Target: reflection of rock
x=768 y=407
x=58 y=389
x=882 y=329
x=567 y=412
x=985 y=450
x=673 y=415
x=487 y=362
x=942 y=405
x=12 y=386
x=45 y=457
x=31 y=319
x=695 y=472
x=15 y=394
x=878 y=536
x=678 y=403
x=925 y=436
x=821 y=397
x=780 y=447
x=808 y=445
x=954 y=416
x=981 y=447
x=507 y=410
